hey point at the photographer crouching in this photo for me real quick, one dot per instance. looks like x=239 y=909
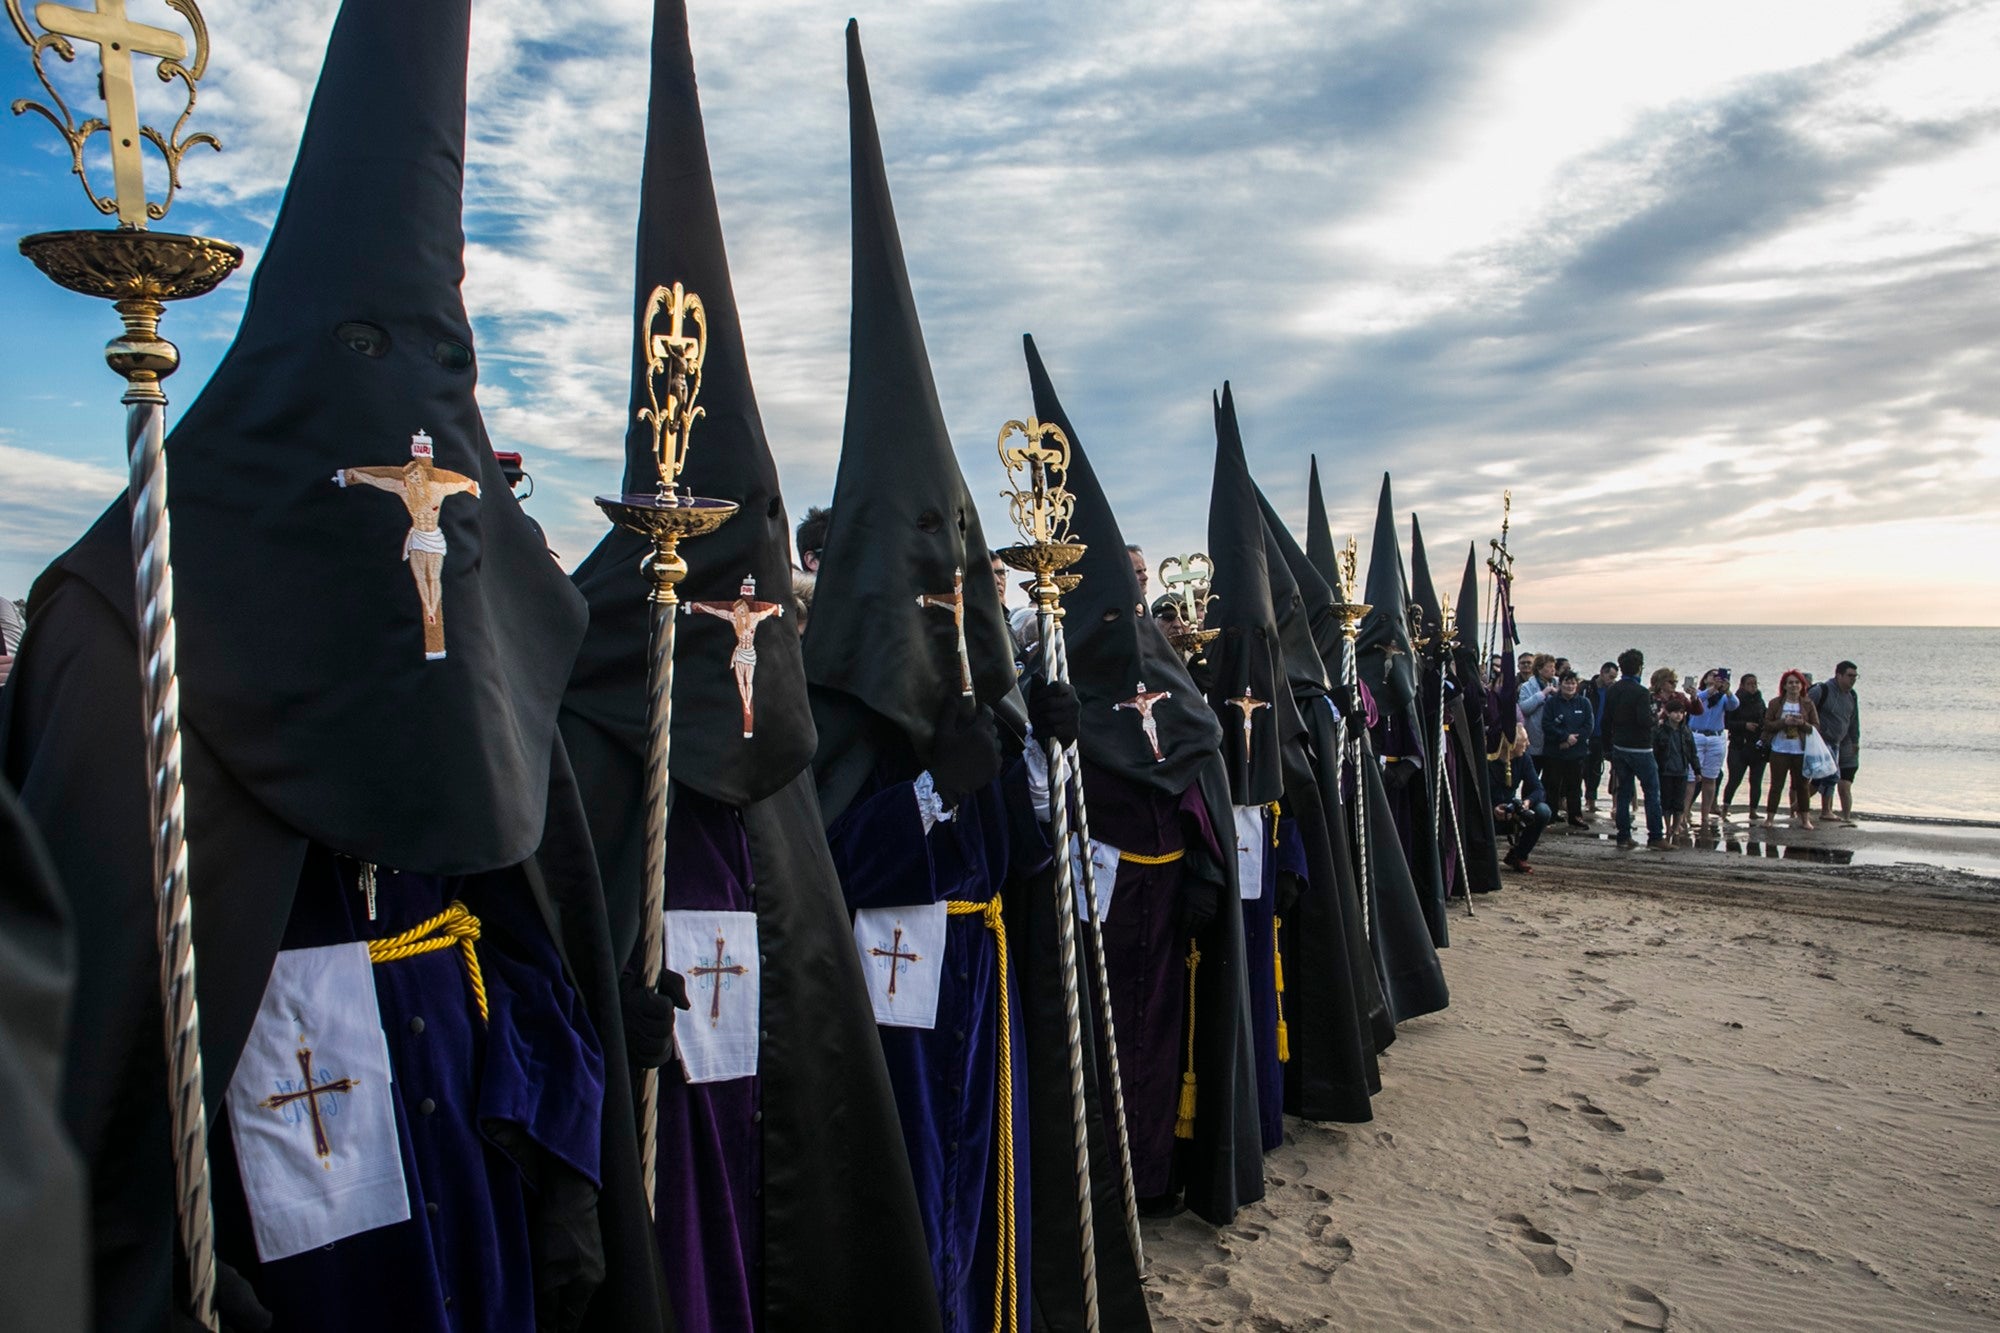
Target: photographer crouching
x=1520 y=806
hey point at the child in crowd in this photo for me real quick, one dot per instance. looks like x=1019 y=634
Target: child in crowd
x=1673 y=747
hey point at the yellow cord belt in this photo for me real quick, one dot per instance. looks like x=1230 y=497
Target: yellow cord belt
x=1278 y=987
x=1163 y=859
x=1184 y=1115
x=1006 y=1272
x=453 y=926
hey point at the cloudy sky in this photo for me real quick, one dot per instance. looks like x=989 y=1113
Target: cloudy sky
x=1711 y=286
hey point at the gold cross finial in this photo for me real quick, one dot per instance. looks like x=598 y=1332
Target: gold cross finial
x=1041 y=508
x=118 y=39
x=1188 y=577
x=674 y=356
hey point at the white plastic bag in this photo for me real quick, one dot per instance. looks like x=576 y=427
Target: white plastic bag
x=1819 y=759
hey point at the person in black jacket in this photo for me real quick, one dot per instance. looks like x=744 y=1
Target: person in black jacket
x=1747 y=753
x=1567 y=723
x=1673 y=749
x=1628 y=734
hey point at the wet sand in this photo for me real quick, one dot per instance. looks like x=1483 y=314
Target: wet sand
x=1678 y=1090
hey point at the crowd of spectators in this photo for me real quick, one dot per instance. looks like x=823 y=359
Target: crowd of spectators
x=1676 y=747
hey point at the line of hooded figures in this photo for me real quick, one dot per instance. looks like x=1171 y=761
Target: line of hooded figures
x=415 y=764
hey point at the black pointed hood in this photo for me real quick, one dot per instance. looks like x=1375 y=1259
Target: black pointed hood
x=308 y=662
x=1319 y=533
x=749 y=557
x=1384 y=646
x=1307 y=623
x=1116 y=655
x=904 y=524
x=1423 y=592
x=1465 y=614
x=1247 y=658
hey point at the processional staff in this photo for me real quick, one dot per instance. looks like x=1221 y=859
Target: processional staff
x=1187 y=579
x=666 y=518
x=1041 y=509
x=1501 y=563
x=1447 y=805
x=141 y=270
x=1352 y=613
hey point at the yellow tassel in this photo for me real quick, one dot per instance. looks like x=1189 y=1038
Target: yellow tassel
x=1278 y=986
x=1277 y=811
x=1184 y=1114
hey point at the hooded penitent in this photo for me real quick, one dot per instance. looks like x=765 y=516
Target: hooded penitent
x=1469 y=746
x=904 y=523
x=1388 y=666
x=1252 y=697
x=1405 y=957
x=1257 y=714
x=784 y=1199
x=1309 y=1082
x=1157 y=794
x=950 y=888
x=373 y=642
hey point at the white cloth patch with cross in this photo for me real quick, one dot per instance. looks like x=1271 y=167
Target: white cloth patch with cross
x=716 y=952
x=309 y=1106
x=902 y=954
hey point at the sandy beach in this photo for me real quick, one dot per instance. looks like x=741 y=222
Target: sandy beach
x=1683 y=1090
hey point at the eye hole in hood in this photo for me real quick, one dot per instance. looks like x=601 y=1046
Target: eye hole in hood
x=371 y=340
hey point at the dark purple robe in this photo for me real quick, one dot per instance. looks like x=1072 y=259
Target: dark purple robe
x=946 y=1076
x=1145 y=953
x=1261 y=974
x=462 y=1260
x=709 y=1195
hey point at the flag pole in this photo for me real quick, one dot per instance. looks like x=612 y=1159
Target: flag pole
x=666 y=517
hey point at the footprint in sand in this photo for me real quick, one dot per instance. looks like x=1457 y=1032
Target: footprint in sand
x=1620 y=1006
x=1535 y=1064
x=1537 y=1246
x=1641 y=1309
x=1639 y=1077
x=1513 y=1134
x=1321 y=1264
x=1592 y=1113
x=1627 y=1185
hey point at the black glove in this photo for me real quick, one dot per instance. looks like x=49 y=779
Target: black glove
x=236 y=1306
x=1199 y=897
x=567 y=1243
x=1345 y=703
x=965 y=750
x=649 y=1017
x=1052 y=710
x=1203 y=673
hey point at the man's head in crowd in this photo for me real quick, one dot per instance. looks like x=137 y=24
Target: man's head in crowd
x=1631 y=662
x=1607 y=675
x=1139 y=570
x=812 y=536
x=1000 y=571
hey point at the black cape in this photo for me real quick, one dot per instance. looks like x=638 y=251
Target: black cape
x=42 y=1232
x=70 y=723
x=840 y=1223
x=881 y=668
x=312 y=679
x=1247 y=660
x=1468 y=737
x=1112 y=648
x=1406 y=959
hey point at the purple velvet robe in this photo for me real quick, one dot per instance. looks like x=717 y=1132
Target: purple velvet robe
x=946 y=1076
x=1261 y=975
x=1145 y=955
x=462 y=1260
x=709 y=1196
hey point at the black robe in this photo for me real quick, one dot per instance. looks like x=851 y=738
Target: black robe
x=71 y=738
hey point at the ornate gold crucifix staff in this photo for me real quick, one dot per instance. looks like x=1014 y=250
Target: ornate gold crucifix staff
x=141 y=270
x=666 y=517
x=1041 y=510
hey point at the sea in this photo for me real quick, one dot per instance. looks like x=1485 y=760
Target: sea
x=1930 y=698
